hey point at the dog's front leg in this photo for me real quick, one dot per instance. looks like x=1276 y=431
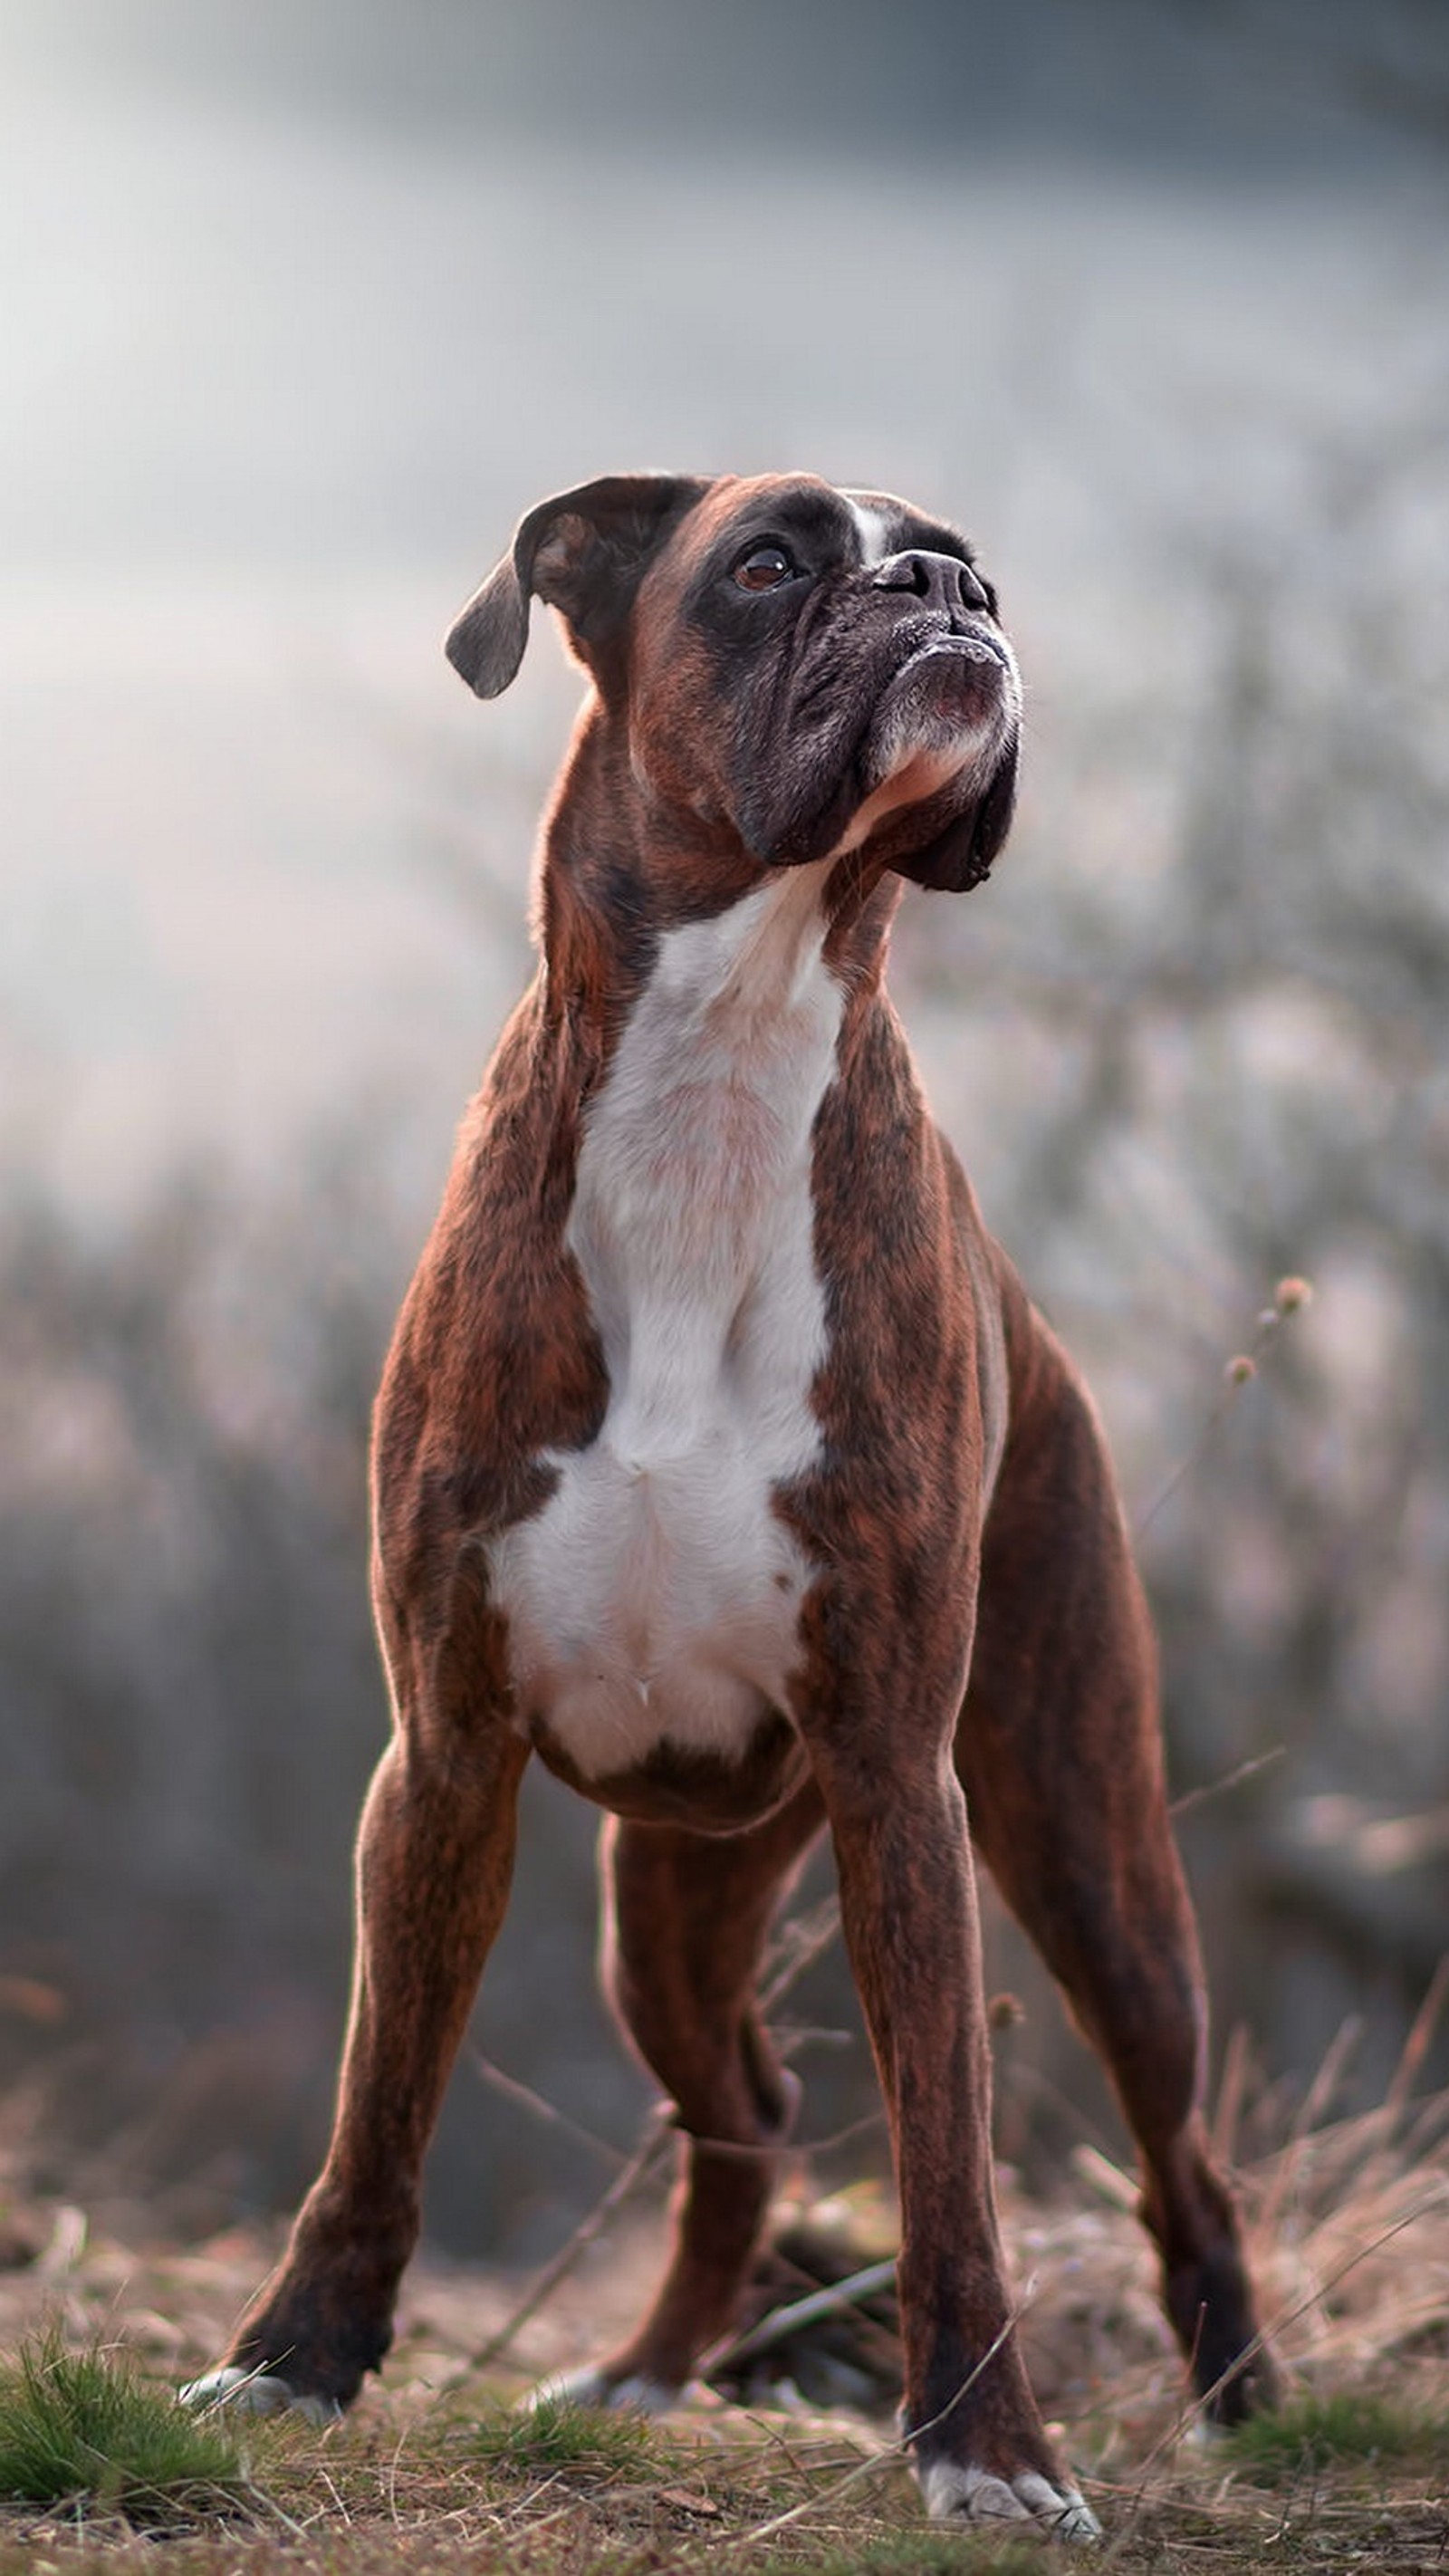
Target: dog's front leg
x=908 y=1900
x=435 y=1858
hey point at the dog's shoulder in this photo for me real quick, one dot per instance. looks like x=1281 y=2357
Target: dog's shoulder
x=495 y=1357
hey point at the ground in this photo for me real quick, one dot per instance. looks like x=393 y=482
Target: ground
x=1350 y=2226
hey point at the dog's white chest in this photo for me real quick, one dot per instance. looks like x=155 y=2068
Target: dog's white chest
x=655 y=1598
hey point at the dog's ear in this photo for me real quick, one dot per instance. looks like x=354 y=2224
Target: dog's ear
x=583 y=551
x=961 y=856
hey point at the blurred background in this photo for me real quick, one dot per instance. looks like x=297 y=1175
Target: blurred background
x=306 y=303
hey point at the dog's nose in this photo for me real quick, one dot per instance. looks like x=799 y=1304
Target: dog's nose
x=942 y=581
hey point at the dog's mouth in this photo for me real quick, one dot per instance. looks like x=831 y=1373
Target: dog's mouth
x=917 y=727
x=970 y=671
x=942 y=704
x=975 y=643
x=956 y=672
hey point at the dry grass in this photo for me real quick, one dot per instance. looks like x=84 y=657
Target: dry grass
x=1350 y=2229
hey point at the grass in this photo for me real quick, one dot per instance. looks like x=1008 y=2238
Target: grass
x=554 y=2435
x=560 y=2490
x=434 y=2475
x=86 y=2430
x=1341 y=2429
x=563 y=2491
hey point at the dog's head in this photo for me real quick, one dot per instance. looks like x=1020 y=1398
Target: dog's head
x=816 y=670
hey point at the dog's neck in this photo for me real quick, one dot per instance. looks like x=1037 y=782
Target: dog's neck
x=608 y=897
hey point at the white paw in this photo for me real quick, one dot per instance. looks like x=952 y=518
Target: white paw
x=956 y=2494
x=257 y=2392
x=591 y=2387
x=1204 y=2435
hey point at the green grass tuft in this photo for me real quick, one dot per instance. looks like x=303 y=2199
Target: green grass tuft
x=87 y=2429
x=554 y=2433
x=1321 y=2432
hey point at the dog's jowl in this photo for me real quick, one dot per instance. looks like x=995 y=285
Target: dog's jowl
x=722 y=1463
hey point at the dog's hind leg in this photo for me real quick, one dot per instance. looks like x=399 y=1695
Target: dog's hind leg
x=1059 y=1753
x=435 y=1858
x=686 y=1919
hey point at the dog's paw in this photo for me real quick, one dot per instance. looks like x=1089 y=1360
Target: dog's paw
x=595 y=2386
x=257 y=2392
x=957 y=2494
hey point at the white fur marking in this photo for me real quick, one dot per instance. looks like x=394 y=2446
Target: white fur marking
x=589 y=2387
x=875 y=534
x=256 y=2392
x=917 y=774
x=954 y=2493
x=655 y=1598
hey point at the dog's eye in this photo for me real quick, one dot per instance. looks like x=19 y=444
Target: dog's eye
x=764 y=568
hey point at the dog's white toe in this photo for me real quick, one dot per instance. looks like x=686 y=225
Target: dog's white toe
x=957 y=2494
x=257 y=2392
x=1203 y=2434
x=591 y=2387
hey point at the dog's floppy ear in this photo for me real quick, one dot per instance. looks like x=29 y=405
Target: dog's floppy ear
x=583 y=551
x=961 y=856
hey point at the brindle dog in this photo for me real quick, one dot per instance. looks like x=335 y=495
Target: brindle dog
x=722 y=1463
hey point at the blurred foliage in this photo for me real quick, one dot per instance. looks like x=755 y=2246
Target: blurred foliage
x=1249 y=1080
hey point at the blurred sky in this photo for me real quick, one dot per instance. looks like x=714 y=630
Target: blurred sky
x=307 y=300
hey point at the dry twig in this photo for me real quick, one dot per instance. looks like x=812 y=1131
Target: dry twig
x=780 y=2322
x=647 y=2154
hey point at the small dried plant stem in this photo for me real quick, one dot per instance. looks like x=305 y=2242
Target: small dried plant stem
x=1308 y=2117
x=798 y=2149
x=1289 y=1298
x=528 y=2100
x=780 y=2322
x=653 y=2146
x=1232 y=2086
x=799 y=1944
x=1233 y=1779
x=265 y=2503
x=1411 y=2057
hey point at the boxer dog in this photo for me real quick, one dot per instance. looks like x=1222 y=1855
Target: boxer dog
x=722 y=1463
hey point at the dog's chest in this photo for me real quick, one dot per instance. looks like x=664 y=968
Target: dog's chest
x=654 y=1600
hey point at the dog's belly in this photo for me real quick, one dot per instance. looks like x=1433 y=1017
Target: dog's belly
x=654 y=1601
